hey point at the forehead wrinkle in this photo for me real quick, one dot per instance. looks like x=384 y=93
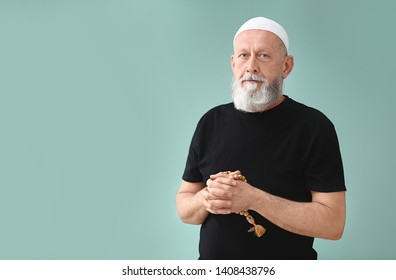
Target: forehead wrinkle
x=253 y=47
x=258 y=40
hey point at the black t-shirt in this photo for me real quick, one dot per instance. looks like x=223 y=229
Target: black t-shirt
x=287 y=151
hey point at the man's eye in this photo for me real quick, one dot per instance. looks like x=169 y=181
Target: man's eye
x=243 y=55
x=263 y=55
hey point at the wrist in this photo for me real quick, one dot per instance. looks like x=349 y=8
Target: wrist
x=255 y=195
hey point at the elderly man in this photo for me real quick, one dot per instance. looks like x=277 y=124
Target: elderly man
x=284 y=182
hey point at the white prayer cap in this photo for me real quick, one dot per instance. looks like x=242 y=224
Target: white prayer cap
x=262 y=23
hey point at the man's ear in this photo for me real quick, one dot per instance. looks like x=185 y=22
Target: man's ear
x=288 y=66
x=232 y=62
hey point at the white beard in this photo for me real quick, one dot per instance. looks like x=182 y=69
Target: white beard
x=252 y=99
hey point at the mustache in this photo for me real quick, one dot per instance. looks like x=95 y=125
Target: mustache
x=252 y=77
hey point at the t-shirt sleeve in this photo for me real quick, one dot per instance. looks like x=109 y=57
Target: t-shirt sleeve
x=324 y=168
x=192 y=172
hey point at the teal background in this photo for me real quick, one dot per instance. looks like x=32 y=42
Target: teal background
x=99 y=100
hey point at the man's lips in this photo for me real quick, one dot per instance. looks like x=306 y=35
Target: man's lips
x=252 y=81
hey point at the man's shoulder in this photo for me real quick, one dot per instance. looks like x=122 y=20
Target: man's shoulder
x=310 y=117
x=219 y=110
x=215 y=115
x=308 y=112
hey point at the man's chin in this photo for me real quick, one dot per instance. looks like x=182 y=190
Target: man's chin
x=251 y=90
x=251 y=83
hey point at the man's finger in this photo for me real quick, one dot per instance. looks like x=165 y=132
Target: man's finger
x=222 y=183
x=225 y=174
x=223 y=211
x=220 y=192
x=217 y=204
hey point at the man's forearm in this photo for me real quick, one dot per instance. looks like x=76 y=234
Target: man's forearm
x=190 y=207
x=322 y=218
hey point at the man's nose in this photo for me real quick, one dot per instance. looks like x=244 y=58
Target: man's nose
x=252 y=65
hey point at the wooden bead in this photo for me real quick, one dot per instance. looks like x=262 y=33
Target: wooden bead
x=250 y=220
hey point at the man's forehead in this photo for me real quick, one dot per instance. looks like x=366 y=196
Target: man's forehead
x=257 y=38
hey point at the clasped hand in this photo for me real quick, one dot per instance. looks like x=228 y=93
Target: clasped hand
x=225 y=195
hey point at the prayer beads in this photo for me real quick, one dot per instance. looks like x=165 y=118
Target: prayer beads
x=259 y=230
